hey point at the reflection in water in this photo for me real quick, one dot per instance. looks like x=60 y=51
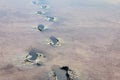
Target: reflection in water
x=41 y=27
x=41 y=12
x=51 y=19
x=53 y=41
x=45 y=7
x=39 y=2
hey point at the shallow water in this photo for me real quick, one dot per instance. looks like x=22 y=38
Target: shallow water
x=90 y=33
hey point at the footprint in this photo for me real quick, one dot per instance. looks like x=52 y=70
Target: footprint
x=62 y=73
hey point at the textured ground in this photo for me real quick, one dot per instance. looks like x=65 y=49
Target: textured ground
x=91 y=41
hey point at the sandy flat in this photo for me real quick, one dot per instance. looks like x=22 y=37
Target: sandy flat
x=91 y=40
